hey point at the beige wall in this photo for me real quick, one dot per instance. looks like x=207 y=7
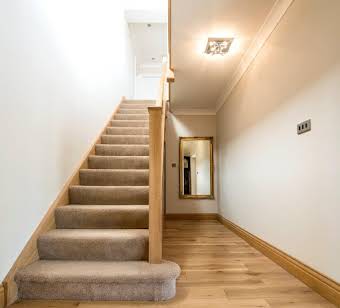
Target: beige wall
x=185 y=126
x=279 y=186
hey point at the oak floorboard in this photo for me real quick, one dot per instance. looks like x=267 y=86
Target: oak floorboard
x=219 y=269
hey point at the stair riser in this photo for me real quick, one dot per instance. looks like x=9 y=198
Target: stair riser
x=144 y=117
x=109 y=195
x=127 y=131
x=122 y=150
x=129 y=123
x=114 y=178
x=118 y=162
x=134 y=249
x=133 y=111
x=101 y=219
x=98 y=291
x=111 y=139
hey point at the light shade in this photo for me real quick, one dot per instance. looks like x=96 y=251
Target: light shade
x=218 y=46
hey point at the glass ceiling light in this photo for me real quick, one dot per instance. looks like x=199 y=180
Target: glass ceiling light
x=218 y=46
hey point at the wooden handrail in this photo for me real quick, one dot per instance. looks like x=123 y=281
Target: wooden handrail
x=156 y=178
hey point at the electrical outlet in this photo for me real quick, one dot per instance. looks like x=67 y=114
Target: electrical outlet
x=304 y=127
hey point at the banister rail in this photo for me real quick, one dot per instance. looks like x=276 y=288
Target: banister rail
x=157 y=116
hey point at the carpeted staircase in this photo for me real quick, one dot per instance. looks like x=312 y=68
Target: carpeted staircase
x=99 y=250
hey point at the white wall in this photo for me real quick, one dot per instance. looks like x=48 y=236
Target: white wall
x=185 y=126
x=146 y=87
x=282 y=187
x=64 y=66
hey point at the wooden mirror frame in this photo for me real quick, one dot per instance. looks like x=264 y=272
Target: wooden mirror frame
x=181 y=192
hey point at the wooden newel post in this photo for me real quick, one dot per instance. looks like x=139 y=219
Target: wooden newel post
x=155 y=184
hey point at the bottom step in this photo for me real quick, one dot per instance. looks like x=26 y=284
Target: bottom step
x=98 y=280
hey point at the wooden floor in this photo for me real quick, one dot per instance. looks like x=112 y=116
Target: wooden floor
x=219 y=269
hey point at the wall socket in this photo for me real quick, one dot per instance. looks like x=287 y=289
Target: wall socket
x=304 y=127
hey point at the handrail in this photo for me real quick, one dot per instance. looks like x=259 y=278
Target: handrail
x=157 y=115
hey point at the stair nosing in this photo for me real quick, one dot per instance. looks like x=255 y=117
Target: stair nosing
x=119 y=155
x=141 y=135
x=85 y=278
x=109 y=186
x=113 y=169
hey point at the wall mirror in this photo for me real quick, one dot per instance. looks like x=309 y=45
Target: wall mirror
x=196 y=171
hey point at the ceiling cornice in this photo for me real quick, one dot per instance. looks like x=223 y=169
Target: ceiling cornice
x=274 y=17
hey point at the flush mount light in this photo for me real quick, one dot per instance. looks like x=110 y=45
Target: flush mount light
x=218 y=46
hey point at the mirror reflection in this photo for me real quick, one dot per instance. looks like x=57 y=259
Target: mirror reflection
x=196 y=167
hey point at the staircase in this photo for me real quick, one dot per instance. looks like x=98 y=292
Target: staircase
x=99 y=249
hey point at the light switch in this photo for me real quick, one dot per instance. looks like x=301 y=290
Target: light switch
x=304 y=127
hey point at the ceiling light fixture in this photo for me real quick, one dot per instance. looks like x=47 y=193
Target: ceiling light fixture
x=218 y=46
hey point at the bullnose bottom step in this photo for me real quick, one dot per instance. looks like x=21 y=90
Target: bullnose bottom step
x=98 y=280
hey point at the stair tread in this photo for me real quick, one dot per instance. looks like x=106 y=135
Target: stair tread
x=129 y=120
x=77 y=216
x=122 y=150
x=94 y=244
x=43 y=271
x=139 y=101
x=122 y=116
x=109 y=207
x=95 y=234
x=115 y=170
x=118 y=162
x=129 y=123
x=124 y=145
x=122 y=156
x=127 y=187
x=85 y=194
x=126 y=136
x=131 y=110
x=124 y=128
x=125 y=139
x=128 y=131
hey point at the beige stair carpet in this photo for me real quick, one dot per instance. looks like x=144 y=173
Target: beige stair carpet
x=99 y=250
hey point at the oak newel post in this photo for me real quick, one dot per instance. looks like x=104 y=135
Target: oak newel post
x=157 y=115
x=155 y=184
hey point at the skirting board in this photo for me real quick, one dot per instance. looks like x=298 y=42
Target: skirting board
x=2 y=296
x=30 y=253
x=191 y=216
x=321 y=284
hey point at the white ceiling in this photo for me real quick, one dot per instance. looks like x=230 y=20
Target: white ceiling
x=150 y=45
x=201 y=78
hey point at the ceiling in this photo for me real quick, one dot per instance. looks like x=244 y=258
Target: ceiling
x=149 y=41
x=201 y=78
